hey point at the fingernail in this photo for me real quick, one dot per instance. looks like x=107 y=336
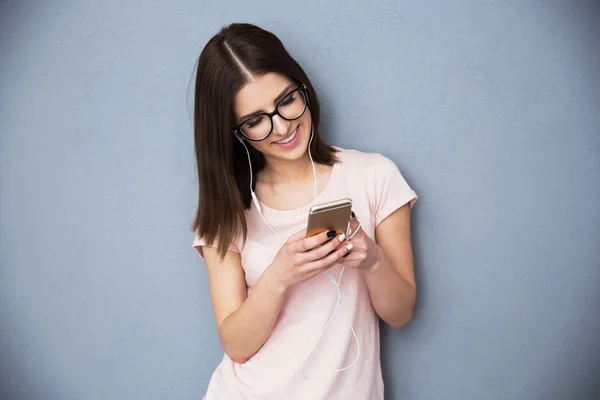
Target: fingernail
x=349 y=247
x=331 y=233
x=342 y=237
x=353 y=215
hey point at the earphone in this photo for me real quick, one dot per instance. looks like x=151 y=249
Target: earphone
x=331 y=279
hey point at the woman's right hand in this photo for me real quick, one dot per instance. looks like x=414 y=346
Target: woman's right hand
x=301 y=257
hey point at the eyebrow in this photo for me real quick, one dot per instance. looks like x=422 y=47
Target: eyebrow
x=277 y=99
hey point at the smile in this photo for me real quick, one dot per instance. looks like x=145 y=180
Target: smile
x=289 y=138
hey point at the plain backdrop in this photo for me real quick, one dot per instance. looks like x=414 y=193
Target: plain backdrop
x=490 y=108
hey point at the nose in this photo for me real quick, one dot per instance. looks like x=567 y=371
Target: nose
x=280 y=126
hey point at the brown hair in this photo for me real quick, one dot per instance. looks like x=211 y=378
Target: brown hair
x=223 y=172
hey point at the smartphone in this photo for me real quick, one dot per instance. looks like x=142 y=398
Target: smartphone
x=331 y=215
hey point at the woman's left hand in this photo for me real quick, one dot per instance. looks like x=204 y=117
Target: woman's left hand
x=365 y=252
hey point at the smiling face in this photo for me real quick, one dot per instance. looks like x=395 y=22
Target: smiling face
x=289 y=139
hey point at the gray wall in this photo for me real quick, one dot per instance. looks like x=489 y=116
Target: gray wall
x=491 y=109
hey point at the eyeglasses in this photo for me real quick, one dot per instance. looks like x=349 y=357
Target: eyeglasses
x=291 y=107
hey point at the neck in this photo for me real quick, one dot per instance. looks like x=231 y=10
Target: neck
x=285 y=171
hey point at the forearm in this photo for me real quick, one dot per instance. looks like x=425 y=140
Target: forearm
x=393 y=298
x=245 y=331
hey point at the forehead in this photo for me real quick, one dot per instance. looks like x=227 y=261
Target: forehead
x=259 y=93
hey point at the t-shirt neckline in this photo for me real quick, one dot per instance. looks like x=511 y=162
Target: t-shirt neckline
x=303 y=209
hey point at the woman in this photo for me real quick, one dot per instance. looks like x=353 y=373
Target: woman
x=261 y=165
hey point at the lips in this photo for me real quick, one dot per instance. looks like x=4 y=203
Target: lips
x=288 y=138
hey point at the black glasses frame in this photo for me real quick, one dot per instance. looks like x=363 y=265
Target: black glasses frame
x=301 y=88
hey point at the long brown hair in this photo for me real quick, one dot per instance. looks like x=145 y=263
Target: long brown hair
x=223 y=172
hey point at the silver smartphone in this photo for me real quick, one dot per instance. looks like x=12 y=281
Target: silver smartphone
x=327 y=216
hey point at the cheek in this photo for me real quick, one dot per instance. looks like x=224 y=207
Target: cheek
x=259 y=146
x=307 y=117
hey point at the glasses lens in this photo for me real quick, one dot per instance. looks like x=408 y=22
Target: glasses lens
x=292 y=106
x=257 y=128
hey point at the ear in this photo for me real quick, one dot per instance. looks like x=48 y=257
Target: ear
x=238 y=137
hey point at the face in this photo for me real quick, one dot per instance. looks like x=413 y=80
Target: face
x=262 y=95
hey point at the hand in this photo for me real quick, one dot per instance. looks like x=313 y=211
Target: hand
x=302 y=258
x=365 y=251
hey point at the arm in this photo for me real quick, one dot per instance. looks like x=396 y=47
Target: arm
x=391 y=279
x=244 y=322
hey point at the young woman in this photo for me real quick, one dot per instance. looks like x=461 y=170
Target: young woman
x=298 y=317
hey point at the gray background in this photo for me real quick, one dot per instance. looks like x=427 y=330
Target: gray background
x=491 y=110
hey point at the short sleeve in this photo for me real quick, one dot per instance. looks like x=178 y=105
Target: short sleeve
x=199 y=243
x=391 y=191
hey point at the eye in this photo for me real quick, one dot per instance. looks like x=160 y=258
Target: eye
x=254 y=121
x=288 y=100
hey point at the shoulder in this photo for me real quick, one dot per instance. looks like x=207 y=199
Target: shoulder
x=364 y=163
x=199 y=242
x=383 y=184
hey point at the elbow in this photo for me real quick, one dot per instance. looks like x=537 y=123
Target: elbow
x=232 y=350
x=400 y=322
x=236 y=356
x=238 y=359
x=404 y=315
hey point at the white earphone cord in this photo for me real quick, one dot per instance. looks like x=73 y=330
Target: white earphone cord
x=336 y=283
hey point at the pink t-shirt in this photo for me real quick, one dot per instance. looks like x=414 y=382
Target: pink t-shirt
x=377 y=188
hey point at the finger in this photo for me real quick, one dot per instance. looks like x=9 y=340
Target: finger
x=351 y=257
x=297 y=236
x=314 y=272
x=332 y=258
x=322 y=251
x=311 y=242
